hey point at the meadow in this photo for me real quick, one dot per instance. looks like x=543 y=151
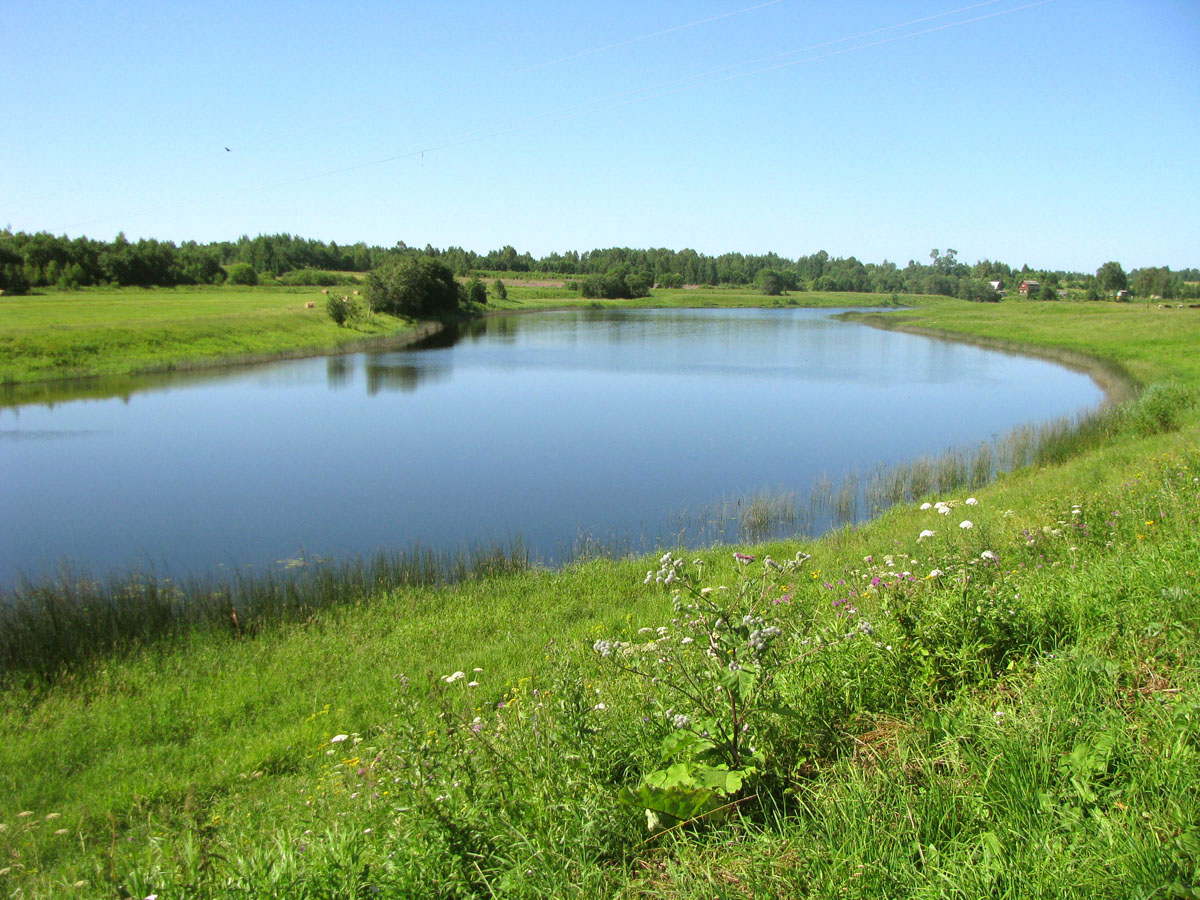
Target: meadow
x=990 y=689
x=53 y=336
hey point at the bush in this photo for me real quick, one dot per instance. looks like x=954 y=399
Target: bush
x=770 y=282
x=475 y=291
x=499 y=290
x=1160 y=408
x=242 y=273
x=413 y=285
x=618 y=283
x=342 y=310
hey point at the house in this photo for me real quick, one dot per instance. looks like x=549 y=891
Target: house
x=1028 y=288
x=995 y=285
x=1124 y=295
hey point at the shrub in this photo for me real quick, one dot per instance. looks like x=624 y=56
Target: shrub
x=499 y=290
x=342 y=309
x=475 y=291
x=413 y=285
x=242 y=273
x=1160 y=408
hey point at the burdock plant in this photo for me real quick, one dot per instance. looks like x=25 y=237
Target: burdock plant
x=710 y=675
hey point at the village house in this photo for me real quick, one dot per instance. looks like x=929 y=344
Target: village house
x=1028 y=288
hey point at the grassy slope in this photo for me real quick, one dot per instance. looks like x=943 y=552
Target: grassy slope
x=190 y=767
x=87 y=333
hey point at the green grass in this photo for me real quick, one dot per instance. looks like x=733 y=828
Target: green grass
x=1023 y=725
x=55 y=336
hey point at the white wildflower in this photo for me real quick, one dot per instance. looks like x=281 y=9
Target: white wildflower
x=936 y=573
x=925 y=534
x=987 y=554
x=338 y=738
x=926 y=506
x=971 y=501
x=450 y=679
x=966 y=524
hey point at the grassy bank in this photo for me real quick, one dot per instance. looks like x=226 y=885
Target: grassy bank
x=1007 y=709
x=59 y=336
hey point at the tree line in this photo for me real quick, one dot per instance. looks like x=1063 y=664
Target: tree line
x=41 y=259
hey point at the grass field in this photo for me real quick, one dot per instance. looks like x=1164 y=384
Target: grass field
x=83 y=334
x=1000 y=700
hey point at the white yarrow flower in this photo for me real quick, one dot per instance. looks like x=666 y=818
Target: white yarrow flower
x=925 y=534
x=971 y=501
x=926 y=506
x=338 y=738
x=450 y=679
x=966 y=524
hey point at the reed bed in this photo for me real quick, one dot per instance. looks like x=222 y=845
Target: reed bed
x=56 y=624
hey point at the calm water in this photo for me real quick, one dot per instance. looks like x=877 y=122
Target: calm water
x=551 y=427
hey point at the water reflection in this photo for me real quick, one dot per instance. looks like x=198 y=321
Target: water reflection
x=390 y=374
x=569 y=430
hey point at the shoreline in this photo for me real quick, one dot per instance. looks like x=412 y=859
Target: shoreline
x=1109 y=375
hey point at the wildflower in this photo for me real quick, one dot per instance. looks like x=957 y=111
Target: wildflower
x=450 y=679
x=686 y=640
x=600 y=706
x=936 y=573
x=649 y=577
x=943 y=510
x=681 y=721
x=966 y=524
x=925 y=534
x=971 y=501
x=926 y=506
x=472 y=684
x=743 y=558
x=338 y=738
x=987 y=554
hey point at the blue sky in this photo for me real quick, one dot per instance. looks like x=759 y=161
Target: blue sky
x=1060 y=134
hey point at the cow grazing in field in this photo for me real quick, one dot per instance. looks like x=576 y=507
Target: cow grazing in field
x=311 y=304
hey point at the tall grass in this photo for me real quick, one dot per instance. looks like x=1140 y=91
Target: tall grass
x=52 y=625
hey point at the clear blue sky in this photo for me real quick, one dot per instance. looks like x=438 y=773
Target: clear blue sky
x=1060 y=134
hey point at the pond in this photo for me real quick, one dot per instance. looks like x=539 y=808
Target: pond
x=567 y=431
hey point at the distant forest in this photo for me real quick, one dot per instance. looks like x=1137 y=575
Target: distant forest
x=29 y=261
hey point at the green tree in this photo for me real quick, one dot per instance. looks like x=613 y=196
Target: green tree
x=475 y=291
x=242 y=273
x=499 y=290
x=769 y=282
x=413 y=285
x=1112 y=277
x=1154 y=282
